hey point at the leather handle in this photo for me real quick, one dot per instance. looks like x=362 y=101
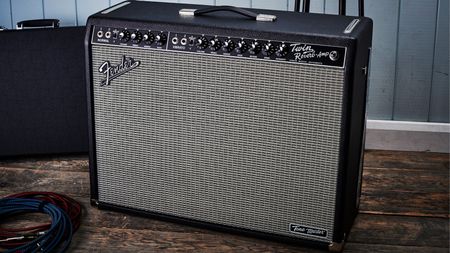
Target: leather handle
x=243 y=12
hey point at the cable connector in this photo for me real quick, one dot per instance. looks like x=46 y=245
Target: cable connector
x=22 y=237
x=34 y=236
x=13 y=238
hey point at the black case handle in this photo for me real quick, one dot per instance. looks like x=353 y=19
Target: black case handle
x=246 y=13
x=38 y=23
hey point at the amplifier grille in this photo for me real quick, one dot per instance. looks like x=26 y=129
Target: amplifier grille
x=238 y=142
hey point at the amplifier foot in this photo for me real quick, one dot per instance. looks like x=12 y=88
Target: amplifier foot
x=336 y=246
x=94 y=202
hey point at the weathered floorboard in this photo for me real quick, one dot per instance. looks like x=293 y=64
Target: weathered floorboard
x=370 y=229
x=414 y=187
x=131 y=240
x=400 y=230
x=19 y=180
x=418 y=192
x=380 y=248
x=406 y=160
x=404 y=208
x=68 y=163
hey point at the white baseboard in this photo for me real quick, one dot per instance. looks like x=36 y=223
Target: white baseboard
x=408 y=136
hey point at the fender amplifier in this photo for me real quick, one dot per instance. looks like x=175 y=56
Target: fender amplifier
x=235 y=120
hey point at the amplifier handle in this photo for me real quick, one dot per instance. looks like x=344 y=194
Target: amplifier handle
x=252 y=15
x=38 y=23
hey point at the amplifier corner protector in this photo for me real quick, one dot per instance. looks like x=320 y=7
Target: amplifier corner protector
x=336 y=246
x=94 y=202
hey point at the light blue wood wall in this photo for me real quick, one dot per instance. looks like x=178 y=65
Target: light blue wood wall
x=410 y=61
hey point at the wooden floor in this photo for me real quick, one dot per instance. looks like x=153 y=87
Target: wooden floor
x=404 y=208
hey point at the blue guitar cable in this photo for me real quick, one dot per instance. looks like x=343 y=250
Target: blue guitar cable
x=58 y=236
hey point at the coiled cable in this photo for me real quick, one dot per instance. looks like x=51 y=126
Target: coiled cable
x=65 y=214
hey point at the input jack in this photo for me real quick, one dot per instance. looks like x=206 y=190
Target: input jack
x=183 y=41
x=174 y=40
x=100 y=34
x=108 y=34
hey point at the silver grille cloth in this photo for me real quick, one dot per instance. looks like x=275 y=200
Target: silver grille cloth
x=238 y=142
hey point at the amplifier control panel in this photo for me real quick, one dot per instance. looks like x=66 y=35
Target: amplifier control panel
x=295 y=52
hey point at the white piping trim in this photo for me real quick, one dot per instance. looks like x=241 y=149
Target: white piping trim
x=408 y=126
x=408 y=136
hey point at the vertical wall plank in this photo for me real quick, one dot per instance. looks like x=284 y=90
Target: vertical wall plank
x=273 y=5
x=332 y=6
x=384 y=52
x=5 y=14
x=415 y=59
x=177 y=1
x=439 y=105
x=64 y=10
x=208 y=2
x=169 y=1
x=317 y=6
x=238 y=3
x=85 y=8
x=291 y=4
x=114 y=2
x=26 y=9
x=352 y=7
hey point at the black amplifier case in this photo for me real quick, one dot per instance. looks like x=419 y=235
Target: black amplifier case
x=42 y=95
x=229 y=122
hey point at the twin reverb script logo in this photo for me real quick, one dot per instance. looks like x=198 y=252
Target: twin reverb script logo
x=112 y=72
x=304 y=52
x=317 y=54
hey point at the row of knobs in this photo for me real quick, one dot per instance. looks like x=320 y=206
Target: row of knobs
x=147 y=37
x=215 y=44
x=242 y=46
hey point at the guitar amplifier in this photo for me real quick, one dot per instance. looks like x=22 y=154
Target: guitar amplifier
x=222 y=117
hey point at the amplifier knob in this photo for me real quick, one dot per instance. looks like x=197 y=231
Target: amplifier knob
x=282 y=50
x=148 y=38
x=215 y=44
x=242 y=47
x=161 y=39
x=269 y=49
x=136 y=37
x=228 y=45
x=201 y=42
x=124 y=36
x=255 y=48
